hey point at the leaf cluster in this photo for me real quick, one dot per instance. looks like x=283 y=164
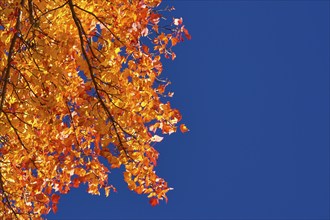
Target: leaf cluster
x=80 y=83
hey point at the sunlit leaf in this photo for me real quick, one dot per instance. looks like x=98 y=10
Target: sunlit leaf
x=183 y=128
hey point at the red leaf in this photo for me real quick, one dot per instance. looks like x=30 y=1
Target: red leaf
x=76 y=182
x=55 y=198
x=186 y=33
x=154 y=201
x=145 y=48
x=155 y=18
x=48 y=190
x=54 y=207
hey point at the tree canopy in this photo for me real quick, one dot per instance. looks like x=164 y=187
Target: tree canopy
x=81 y=94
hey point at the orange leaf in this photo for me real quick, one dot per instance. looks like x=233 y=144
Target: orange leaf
x=97 y=139
x=174 y=41
x=154 y=201
x=48 y=190
x=154 y=127
x=145 y=48
x=173 y=55
x=186 y=33
x=155 y=28
x=161 y=89
x=42 y=198
x=139 y=189
x=54 y=207
x=183 y=128
x=76 y=182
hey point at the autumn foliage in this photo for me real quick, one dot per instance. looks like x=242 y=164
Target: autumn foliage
x=81 y=94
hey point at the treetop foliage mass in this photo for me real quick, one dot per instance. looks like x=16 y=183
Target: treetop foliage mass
x=81 y=84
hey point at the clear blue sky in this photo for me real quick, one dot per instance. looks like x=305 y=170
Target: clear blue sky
x=253 y=87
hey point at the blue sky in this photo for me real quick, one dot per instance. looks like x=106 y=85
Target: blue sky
x=253 y=87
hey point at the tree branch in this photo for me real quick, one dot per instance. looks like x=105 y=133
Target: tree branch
x=91 y=72
x=6 y=71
